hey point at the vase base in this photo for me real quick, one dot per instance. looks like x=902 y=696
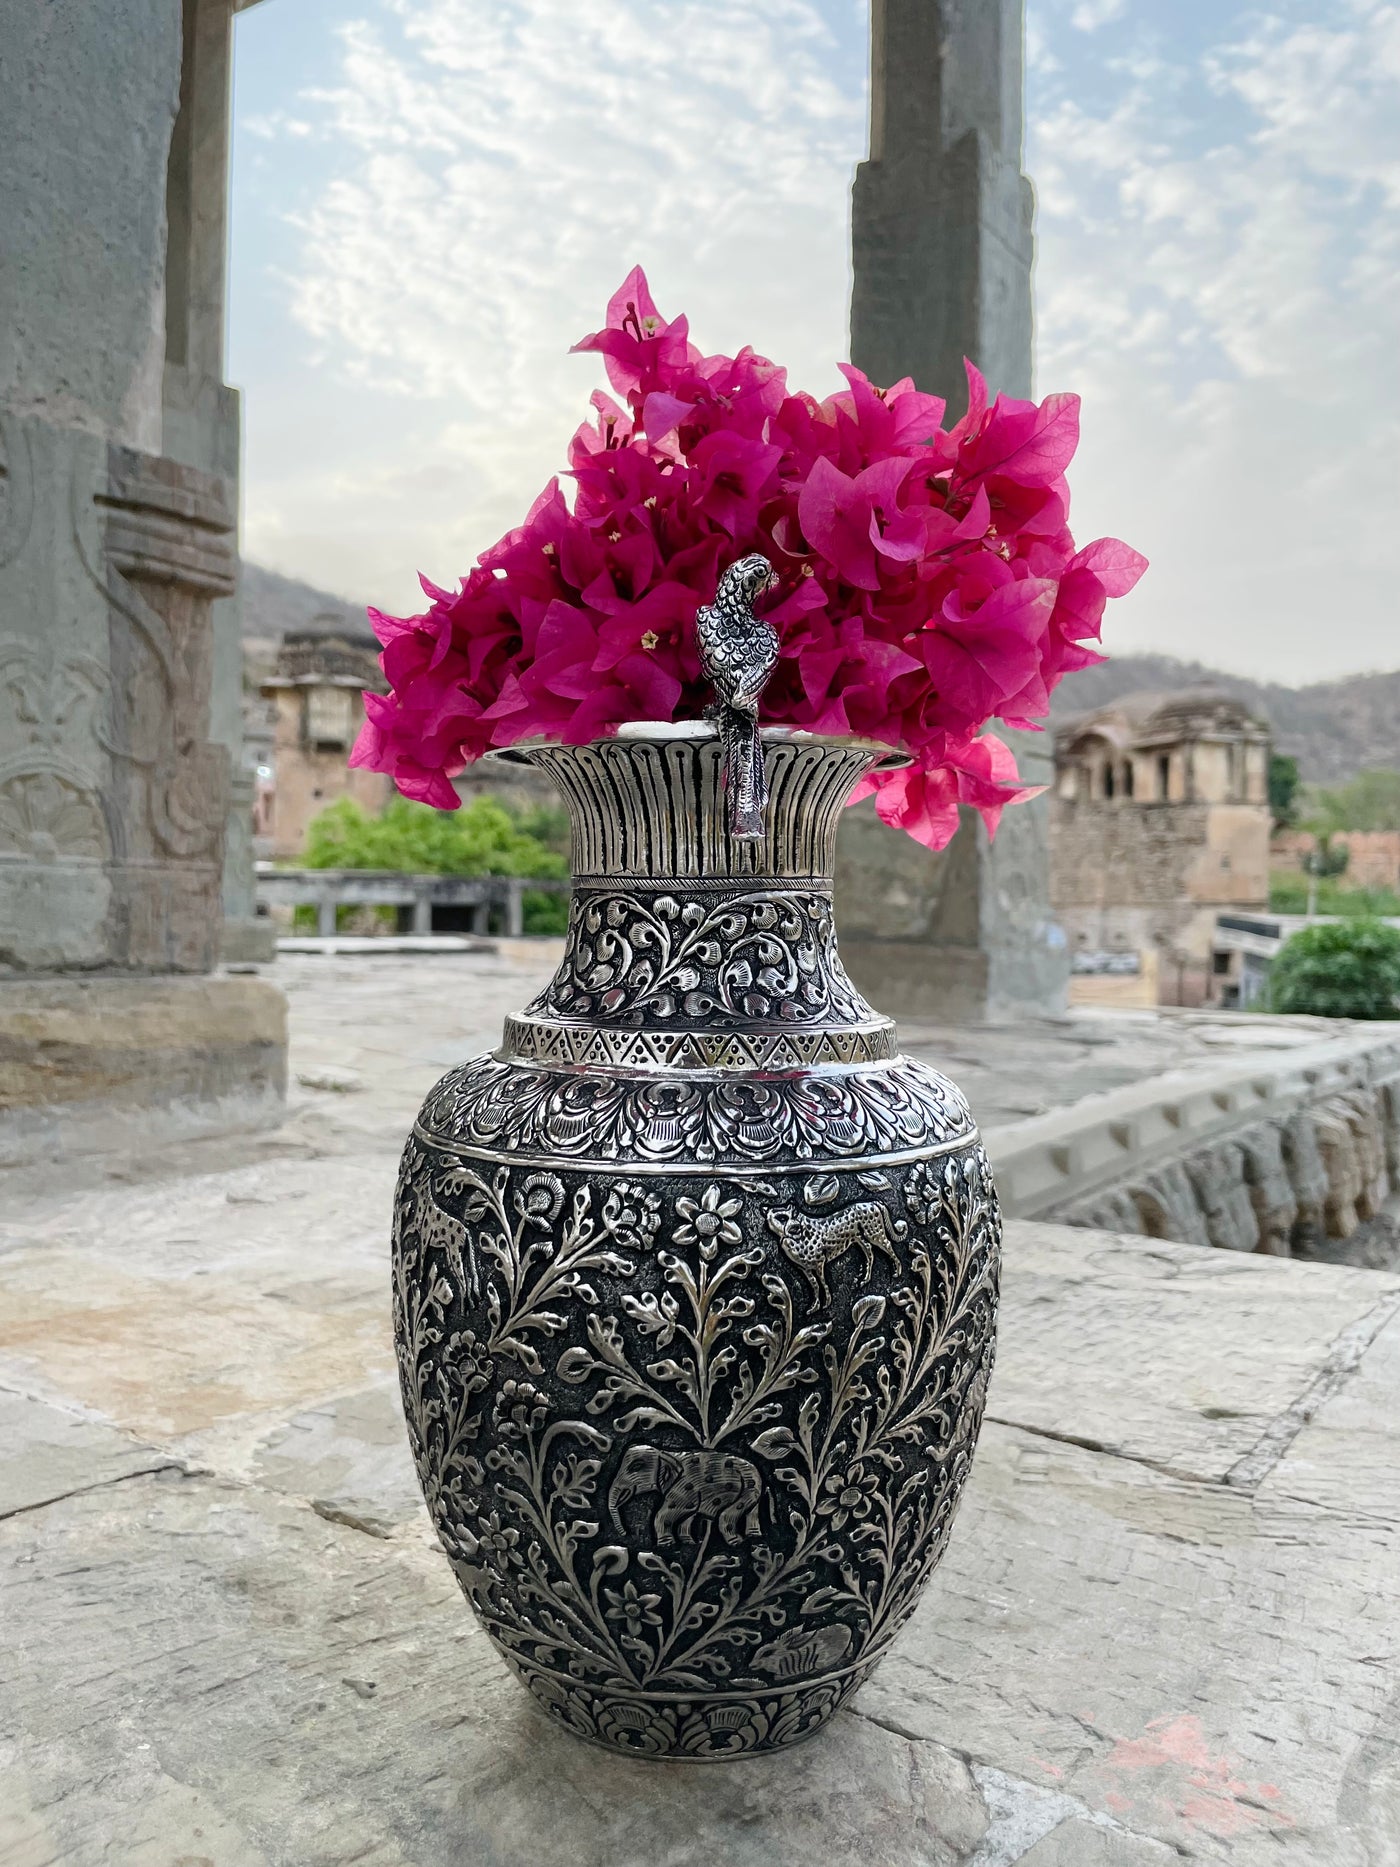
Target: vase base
x=700 y=1727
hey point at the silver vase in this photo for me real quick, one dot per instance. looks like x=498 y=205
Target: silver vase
x=695 y=1278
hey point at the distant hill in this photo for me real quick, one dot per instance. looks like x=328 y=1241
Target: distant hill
x=1334 y=728
x=275 y=606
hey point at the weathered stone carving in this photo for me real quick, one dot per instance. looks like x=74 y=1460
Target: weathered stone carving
x=1227 y=1211
x=113 y=798
x=1272 y=1197
x=1167 y=1204
x=1307 y=1177
x=1281 y=1185
x=1336 y=1143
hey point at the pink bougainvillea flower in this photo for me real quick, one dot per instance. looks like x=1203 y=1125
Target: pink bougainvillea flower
x=732 y=475
x=924 y=800
x=928 y=580
x=636 y=342
x=852 y=523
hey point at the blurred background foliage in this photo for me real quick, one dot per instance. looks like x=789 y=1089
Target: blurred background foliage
x=485 y=837
x=1339 y=969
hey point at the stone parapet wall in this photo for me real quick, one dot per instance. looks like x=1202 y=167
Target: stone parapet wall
x=1373 y=856
x=1276 y=1154
x=112 y=1065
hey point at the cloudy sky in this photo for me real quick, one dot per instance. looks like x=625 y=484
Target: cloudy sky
x=434 y=198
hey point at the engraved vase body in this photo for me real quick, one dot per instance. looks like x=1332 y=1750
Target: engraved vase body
x=695 y=1279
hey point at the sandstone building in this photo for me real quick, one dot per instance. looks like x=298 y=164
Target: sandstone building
x=1160 y=820
x=314 y=694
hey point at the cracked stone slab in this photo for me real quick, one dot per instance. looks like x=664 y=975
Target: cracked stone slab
x=1077 y=1843
x=350 y=1457
x=243 y=1682
x=1196 y=1664
x=48 y=1453
x=1174 y=1354
x=1172 y=1588
x=1343 y=1455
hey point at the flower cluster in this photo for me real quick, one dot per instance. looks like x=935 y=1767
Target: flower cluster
x=928 y=579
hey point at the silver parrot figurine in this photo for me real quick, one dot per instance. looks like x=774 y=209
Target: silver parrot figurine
x=737 y=652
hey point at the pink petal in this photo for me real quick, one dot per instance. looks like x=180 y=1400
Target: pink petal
x=1034 y=448
x=662 y=414
x=902 y=538
x=1116 y=565
x=835 y=521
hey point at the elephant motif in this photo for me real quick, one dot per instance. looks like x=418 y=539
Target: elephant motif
x=716 y=1487
x=804 y=1650
x=811 y=1243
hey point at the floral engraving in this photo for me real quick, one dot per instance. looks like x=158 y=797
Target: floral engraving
x=750 y=955
x=657 y=1472
x=44 y=816
x=903 y=1106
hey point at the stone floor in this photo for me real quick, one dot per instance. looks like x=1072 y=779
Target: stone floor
x=1165 y=1630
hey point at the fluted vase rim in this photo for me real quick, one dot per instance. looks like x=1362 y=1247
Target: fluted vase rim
x=671 y=732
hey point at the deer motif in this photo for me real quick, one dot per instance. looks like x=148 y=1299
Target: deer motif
x=439 y=1231
x=812 y=1243
x=695 y=1484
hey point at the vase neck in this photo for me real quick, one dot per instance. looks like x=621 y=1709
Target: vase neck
x=653 y=809
x=688 y=948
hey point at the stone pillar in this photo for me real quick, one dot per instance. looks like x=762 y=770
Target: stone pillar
x=202 y=415
x=115 y=552
x=942 y=249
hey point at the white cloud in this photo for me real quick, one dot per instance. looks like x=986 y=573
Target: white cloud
x=1219 y=265
x=497 y=171
x=1228 y=313
x=1089 y=15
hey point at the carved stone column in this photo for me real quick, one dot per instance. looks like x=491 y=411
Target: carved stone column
x=942 y=248
x=113 y=799
x=118 y=541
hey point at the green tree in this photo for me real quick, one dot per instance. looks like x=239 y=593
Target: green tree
x=1371 y=801
x=1325 y=862
x=483 y=838
x=1340 y=969
x=1283 y=790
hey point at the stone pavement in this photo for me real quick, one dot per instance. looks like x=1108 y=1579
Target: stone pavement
x=1165 y=1630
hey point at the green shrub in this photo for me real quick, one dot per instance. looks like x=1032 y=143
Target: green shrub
x=1370 y=802
x=1288 y=894
x=1283 y=790
x=306 y=919
x=544 y=914
x=483 y=838
x=1339 y=969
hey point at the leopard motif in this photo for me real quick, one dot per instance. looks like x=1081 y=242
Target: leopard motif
x=813 y=1243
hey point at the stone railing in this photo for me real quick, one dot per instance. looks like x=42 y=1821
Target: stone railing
x=329 y=889
x=1272 y=1153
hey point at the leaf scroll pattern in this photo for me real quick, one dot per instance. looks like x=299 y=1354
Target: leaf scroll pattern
x=655 y=959
x=691 y=1509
